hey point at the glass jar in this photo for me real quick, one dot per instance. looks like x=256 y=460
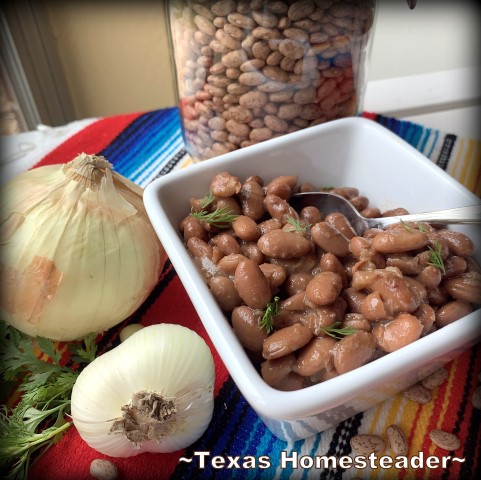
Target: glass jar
x=251 y=70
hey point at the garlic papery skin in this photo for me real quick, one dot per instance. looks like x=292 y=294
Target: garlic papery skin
x=152 y=393
x=78 y=252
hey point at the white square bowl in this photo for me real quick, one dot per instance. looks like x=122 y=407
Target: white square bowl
x=348 y=152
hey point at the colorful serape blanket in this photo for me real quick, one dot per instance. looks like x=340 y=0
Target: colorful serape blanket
x=143 y=146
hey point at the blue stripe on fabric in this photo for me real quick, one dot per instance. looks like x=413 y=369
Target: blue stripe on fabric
x=249 y=443
x=435 y=141
x=313 y=451
x=150 y=136
x=148 y=146
x=115 y=151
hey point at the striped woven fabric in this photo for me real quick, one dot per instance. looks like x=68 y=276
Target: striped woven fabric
x=143 y=146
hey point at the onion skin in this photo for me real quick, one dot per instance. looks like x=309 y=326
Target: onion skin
x=78 y=252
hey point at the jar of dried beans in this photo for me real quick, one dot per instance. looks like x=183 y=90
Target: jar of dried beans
x=251 y=70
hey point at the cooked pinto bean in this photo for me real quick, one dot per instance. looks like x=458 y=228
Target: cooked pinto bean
x=294 y=302
x=282 y=186
x=324 y=288
x=281 y=244
x=199 y=248
x=454 y=266
x=459 y=243
x=269 y=225
x=372 y=307
x=252 y=200
x=280 y=189
x=330 y=263
x=285 y=341
x=395 y=212
x=314 y=356
x=465 y=287
x=371 y=212
x=286 y=318
x=255 y=178
x=245 y=322
x=311 y=215
x=191 y=227
x=437 y=296
x=228 y=264
x=225 y=293
x=398 y=333
x=451 y=312
x=278 y=208
x=227 y=243
x=392 y=287
x=296 y=282
x=407 y=264
x=354 y=299
x=275 y=371
x=346 y=192
x=430 y=276
x=246 y=228
x=317 y=319
x=357 y=321
x=225 y=185
x=227 y=203
x=330 y=240
x=339 y=222
x=360 y=202
x=251 y=250
x=399 y=240
x=426 y=315
x=292 y=382
x=275 y=274
x=252 y=285
x=354 y=351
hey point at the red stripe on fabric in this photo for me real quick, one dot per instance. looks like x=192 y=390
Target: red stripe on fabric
x=370 y=115
x=92 y=139
x=71 y=458
x=412 y=433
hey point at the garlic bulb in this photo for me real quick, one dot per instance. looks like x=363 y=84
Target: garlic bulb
x=152 y=393
x=78 y=253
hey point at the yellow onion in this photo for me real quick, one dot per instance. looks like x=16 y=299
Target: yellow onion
x=78 y=252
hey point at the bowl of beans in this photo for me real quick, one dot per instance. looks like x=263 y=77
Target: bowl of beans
x=314 y=321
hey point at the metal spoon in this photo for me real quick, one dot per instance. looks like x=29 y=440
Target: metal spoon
x=330 y=202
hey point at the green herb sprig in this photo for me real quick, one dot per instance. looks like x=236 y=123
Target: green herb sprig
x=270 y=312
x=296 y=225
x=207 y=200
x=338 y=333
x=221 y=217
x=38 y=420
x=435 y=257
x=406 y=226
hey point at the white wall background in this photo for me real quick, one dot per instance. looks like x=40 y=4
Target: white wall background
x=437 y=35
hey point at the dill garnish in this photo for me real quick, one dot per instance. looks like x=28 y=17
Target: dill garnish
x=435 y=257
x=338 y=333
x=271 y=311
x=296 y=224
x=221 y=217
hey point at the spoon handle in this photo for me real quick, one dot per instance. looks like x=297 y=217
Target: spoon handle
x=468 y=215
